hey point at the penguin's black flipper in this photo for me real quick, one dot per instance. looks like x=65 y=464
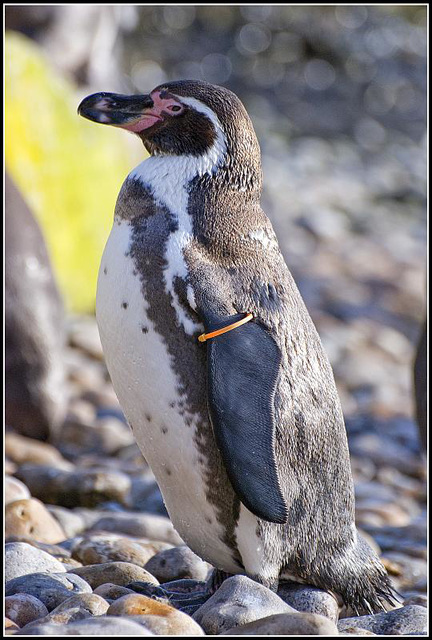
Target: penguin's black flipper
x=243 y=367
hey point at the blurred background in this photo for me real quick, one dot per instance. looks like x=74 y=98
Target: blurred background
x=337 y=95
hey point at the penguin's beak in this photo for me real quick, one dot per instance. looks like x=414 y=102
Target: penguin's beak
x=129 y=112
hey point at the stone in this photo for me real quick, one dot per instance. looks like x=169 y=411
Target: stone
x=55 y=550
x=44 y=482
x=119 y=573
x=108 y=626
x=84 y=334
x=102 y=436
x=177 y=563
x=9 y=466
x=51 y=589
x=22 y=559
x=238 y=600
x=71 y=523
x=111 y=592
x=35 y=376
x=23 y=608
x=305 y=624
x=30 y=518
x=409 y=574
x=62 y=617
x=145 y=495
x=97 y=549
x=137 y=524
x=10 y=626
x=15 y=490
x=407 y=620
x=309 y=599
x=160 y=618
x=356 y=631
x=21 y=449
x=83 y=487
x=78 y=607
x=417 y=598
x=95 y=604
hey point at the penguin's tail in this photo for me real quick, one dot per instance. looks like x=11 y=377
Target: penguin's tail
x=366 y=587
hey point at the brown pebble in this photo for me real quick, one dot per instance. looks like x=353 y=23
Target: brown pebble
x=21 y=449
x=110 y=591
x=94 y=603
x=120 y=573
x=136 y=604
x=15 y=490
x=23 y=608
x=105 y=548
x=9 y=624
x=160 y=618
x=30 y=518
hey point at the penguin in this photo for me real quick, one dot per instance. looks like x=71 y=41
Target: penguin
x=215 y=359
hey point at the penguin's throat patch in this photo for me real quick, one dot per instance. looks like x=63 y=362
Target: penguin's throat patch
x=147 y=121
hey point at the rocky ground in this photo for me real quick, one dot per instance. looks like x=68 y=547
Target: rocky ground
x=85 y=518
x=344 y=175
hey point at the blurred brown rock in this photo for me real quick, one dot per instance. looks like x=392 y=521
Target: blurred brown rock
x=420 y=385
x=34 y=320
x=31 y=518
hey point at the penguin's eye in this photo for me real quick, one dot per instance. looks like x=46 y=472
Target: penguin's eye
x=174 y=107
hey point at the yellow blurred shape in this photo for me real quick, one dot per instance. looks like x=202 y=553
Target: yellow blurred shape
x=69 y=169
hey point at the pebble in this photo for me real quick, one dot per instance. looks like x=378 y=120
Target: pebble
x=164 y=626
x=158 y=617
x=120 y=573
x=10 y=626
x=30 y=518
x=55 y=550
x=15 y=490
x=108 y=626
x=84 y=334
x=286 y=624
x=9 y=466
x=66 y=616
x=410 y=539
x=104 y=436
x=51 y=588
x=309 y=599
x=145 y=496
x=417 y=598
x=21 y=449
x=22 y=559
x=23 y=608
x=71 y=523
x=111 y=592
x=356 y=631
x=83 y=487
x=408 y=620
x=99 y=549
x=177 y=563
x=144 y=525
x=408 y=574
x=238 y=600
x=94 y=603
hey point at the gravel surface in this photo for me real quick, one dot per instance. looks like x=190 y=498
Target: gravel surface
x=89 y=544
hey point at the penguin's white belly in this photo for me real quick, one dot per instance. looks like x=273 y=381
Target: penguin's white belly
x=147 y=389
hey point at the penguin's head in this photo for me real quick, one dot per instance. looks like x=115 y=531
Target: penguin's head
x=186 y=117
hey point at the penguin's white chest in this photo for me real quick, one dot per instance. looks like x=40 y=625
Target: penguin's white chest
x=147 y=388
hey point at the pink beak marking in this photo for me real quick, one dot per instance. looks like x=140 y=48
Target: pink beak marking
x=153 y=115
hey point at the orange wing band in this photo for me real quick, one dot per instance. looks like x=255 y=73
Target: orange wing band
x=206 y=336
